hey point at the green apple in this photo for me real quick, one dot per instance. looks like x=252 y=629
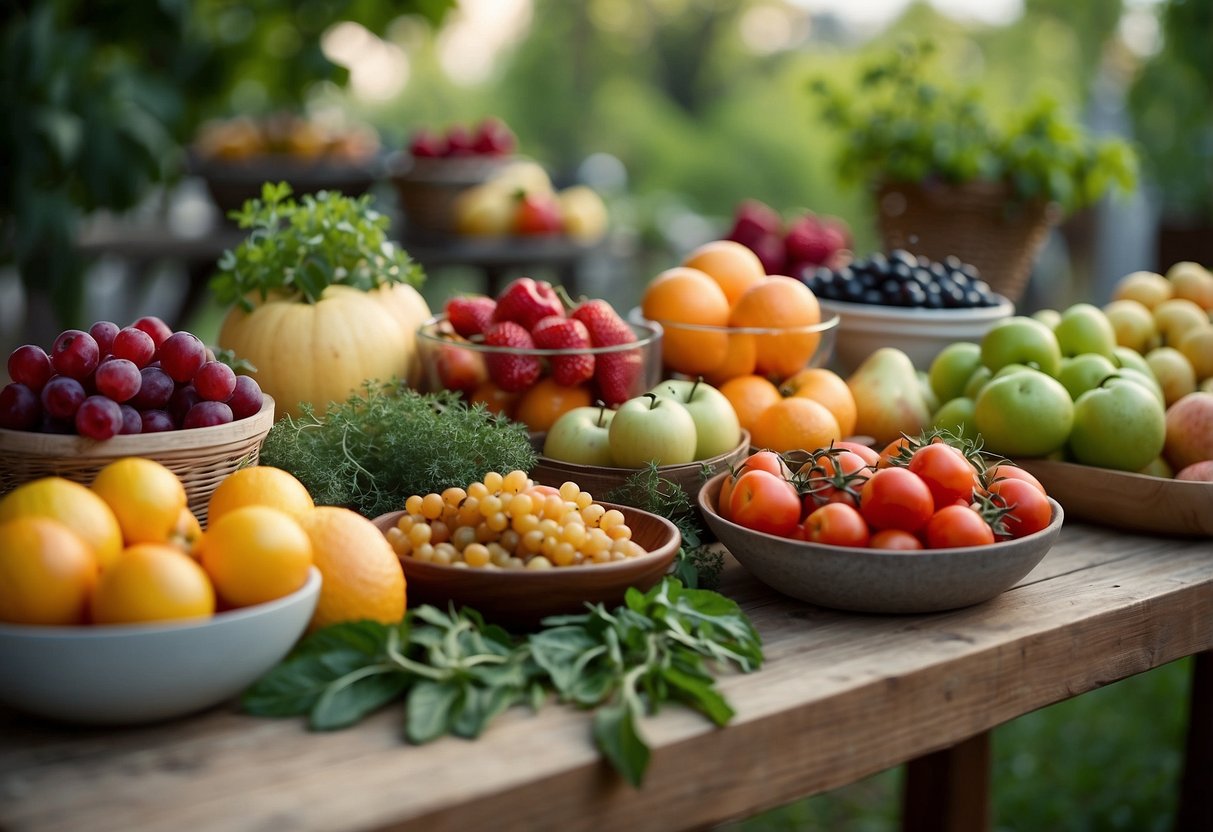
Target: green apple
x=1048 y=317
x=1083 y=372
x=1025 y=414
x=1173 y=371
x=716 y=426
x=1084 y=328
x=581 y=435
x=1011 y=369
x=977 y=381
x=1133 y=324
x=1125 y=357
x=957 y=417
x=1021 y=340
x=951 y=369
x=1146 y=380
x=1157 y=467
x=648 y=429
x=1118 y=425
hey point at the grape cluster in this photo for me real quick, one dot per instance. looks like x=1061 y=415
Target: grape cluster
x=143 y=378
x=903 y=279
x=507 y=522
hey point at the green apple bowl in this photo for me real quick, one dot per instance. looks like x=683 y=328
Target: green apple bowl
x=880 y=580
x=920 y=333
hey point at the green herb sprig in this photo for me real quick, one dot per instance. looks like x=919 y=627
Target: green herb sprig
x=374 y=450
x=457 y=673
x=304 y=247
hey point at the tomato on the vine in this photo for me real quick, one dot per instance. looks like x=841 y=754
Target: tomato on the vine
x=764 y=502
x=896 y=498
x=957 y=525
x=837 y=524
x=1004 y=471
x=1030 y=510
x=870 y=456
x=892 y=451
x=760 y=461
x=894 y=539
x=946 y=471
x=834 y=478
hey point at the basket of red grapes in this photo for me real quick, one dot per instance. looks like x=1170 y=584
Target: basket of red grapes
x=140 y=390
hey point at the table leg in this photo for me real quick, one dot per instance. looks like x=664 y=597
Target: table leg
x=949 y=790
x=1195 y=810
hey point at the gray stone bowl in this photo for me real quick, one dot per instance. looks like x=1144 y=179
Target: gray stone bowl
x=875 y=580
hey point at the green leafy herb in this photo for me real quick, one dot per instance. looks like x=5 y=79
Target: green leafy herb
x=457 y=673
x=382 y=445
x=303 y=247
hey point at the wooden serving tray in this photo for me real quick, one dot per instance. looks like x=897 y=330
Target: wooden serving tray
x=1126 y=500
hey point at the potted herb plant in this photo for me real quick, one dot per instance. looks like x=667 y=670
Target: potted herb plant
x=950 y=179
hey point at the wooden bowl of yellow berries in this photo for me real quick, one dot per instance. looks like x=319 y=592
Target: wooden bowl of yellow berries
x=518 y=552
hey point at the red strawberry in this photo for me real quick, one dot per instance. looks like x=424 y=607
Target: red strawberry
x=556 y=332
x=471 y=314
x=525 y=301
x=512 y=373
x=615 y=373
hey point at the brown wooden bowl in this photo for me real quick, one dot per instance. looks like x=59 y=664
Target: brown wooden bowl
x=1126 y=500
x=601 y=481
x=522 y=597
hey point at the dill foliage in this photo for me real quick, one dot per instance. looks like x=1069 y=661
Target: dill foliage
x=374 y=450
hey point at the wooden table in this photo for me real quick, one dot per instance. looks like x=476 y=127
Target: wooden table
x=842 y=696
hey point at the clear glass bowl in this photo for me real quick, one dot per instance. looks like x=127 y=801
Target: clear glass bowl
x=719 y=353
x=453 y=363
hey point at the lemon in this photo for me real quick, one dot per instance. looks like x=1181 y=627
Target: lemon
x=260 y=485
x=74 y=506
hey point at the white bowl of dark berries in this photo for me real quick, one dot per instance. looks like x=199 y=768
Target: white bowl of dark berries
x=906 y=301
x=141 y=390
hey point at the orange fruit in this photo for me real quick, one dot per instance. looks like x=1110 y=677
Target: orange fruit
x=255 y=554
x=152 y=582
x=260 y=485
x=740 y=359
x=74 y=506
x=732 y=265
x=187 y=534
x=547 y=401
x=495 y=399
x=362 y=576
x=46 y=572
x=780 y=302
x=795 y=424
x=688 y=296
x=750 y=396
x=146 y=497
x=828 y=388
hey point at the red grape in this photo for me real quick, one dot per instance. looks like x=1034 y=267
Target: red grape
x=132 y=422
x=246 y=399
x=19 y=407
x=75 y=354
x=155 y=389
x=31 y=366
x=134 y=345
x=98 y=418
x=156 y=421
x=103 y=333
x=49 y=425
x=207 y=414
x=180 y=403
x=62 y=397
x=118 y=378
x=156 y=328
x=182 y=355
x=215 y=381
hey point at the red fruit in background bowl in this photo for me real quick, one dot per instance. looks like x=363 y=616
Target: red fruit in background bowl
x=493 y=138
x=753 y=220
x=526 y=301
x=538 y=214
x=426 y=144
x=511 y=372
x=808 y=241
x=459 y=141
x=460 y=368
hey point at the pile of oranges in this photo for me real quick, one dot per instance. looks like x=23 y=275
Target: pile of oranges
x=127 y=550
x=753 y=336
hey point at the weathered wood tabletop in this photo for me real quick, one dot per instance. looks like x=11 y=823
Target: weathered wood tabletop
x=842 y=696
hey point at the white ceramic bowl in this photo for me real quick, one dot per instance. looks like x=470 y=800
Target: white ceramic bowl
x=920 y=333
x=127 y=674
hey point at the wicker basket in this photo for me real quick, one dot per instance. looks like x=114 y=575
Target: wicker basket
x=200 y=457
x=428 y=188
x=978 y=222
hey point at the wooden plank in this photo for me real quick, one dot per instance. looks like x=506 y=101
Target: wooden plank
x=841 y=697
x=949 y=790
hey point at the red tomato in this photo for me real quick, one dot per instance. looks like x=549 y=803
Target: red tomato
x=946 y=471
x=761 y=461
x=891 y=451
x=1005 y=470
x=894 y=539
x=833 y=477
x=957 y=525
x=764 y=502
x=895 y=498
x=1030 y=509
x=837 y=524
x=870 y=456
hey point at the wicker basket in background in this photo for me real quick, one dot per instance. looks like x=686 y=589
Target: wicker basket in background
x=979 y=222
x=428 y=188
x=200 y=457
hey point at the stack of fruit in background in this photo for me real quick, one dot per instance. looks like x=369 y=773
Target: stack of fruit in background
x=902 y=279
x=793 y=247
x=284 y=136
x=490 y=138
x=520 y=200
x=126 y=550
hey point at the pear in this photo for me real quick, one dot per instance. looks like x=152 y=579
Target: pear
x=888 y=396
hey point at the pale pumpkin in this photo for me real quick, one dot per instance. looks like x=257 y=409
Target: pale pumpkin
x=410 y=310
x=321 y=352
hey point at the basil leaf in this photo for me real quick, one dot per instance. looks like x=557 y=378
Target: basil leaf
x=353 y=696
x=699 y=694
x=429 y=710
x=592 y=687
x=617 y=738
x=557 y=650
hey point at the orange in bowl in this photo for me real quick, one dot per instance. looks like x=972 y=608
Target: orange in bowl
x=794 y=424
x=683 y=295
x=780 y=302
x=733 y=266
x=750 y=395
x=827 y=388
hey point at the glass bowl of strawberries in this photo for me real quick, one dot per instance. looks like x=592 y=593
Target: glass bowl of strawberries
x=531 y=354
